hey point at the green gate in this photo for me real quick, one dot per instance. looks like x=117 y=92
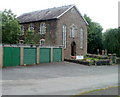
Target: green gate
x=45 y=55
x=30 y=55
x=57 y=54
x=11 y=56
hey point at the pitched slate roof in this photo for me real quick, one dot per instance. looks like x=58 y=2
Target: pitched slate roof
x=47 y=14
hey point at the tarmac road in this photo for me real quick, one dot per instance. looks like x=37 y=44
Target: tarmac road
x=61 y=78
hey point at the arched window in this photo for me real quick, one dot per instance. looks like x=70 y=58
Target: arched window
x=42 y=28
x=42 y=42
x=31 y=27
x=21 y=41
x=64 y=37
x=81 y=38
x=73 y=31
x=22 y=30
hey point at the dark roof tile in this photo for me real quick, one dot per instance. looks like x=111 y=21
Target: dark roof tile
x=46 y=14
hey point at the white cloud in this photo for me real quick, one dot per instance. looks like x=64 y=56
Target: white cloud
x=104 y=12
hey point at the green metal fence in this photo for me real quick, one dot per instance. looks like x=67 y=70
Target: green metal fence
x=11 y=56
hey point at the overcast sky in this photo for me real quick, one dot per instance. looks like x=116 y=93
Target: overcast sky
x=104 y=12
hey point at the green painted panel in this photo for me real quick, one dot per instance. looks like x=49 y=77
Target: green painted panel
x=44 y=55
x=7 y=56
x=30 y=55
x=16 y=56
x=11 y=56
x=57 y=54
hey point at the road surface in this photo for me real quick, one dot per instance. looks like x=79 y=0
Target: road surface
x=61 y=78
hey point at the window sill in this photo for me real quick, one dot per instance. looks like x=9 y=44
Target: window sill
x=73 y=37
x=81 y=48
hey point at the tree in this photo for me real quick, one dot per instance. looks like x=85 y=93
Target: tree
x=112 y=41
x=94 y=36
x=32 y=37
x=118 y=42
x=10 y=27
x=118 y=35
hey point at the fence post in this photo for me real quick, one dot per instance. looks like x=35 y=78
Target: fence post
x=38 y=55
x=63 y=54
x=21 y=55
x=1 y=56
x=51 y=55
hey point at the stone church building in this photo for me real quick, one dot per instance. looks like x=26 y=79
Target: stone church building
x=60 y=26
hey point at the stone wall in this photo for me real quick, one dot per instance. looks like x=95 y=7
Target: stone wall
x=53 y=36
x=68 y=19
x=49 y=36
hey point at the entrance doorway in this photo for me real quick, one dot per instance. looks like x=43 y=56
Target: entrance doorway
x=73 y=48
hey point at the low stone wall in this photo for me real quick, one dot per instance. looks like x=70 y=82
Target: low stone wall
x=97 y=56
x=78 y=61
x=103 y=62
x=97 y=63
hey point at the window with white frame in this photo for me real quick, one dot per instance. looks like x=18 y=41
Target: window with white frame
x=64 y=36
x=81 y=38
x=22 y=30
x=42 y=28
x=42 y=42
x=31 y=27
x=73 y=31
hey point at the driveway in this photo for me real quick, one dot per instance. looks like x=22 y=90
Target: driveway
x=61 y=78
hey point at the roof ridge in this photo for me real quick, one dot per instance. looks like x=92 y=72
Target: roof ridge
x=47 y=14
x=46 y=9
x=65 y=11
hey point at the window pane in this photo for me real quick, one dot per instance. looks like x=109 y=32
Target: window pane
x=22 y=29
x=70 y=32
x=73 y=31
x=42 y=42
x=81 y=38
x=64 y=35
x=42 y=28
x=31 y=27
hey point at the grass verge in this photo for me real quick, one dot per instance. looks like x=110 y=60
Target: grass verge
x=95 y=90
